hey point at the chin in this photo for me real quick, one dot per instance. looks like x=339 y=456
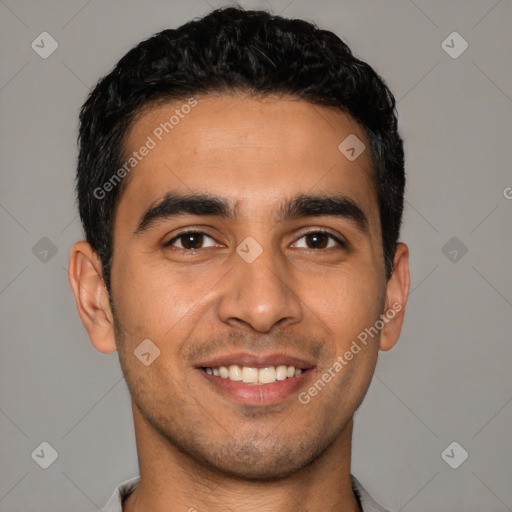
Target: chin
x=250 y=462
x=262 y=472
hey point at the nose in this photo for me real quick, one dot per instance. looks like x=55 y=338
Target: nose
x=259 y=294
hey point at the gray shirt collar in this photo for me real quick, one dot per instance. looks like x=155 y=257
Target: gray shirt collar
x=368 y=504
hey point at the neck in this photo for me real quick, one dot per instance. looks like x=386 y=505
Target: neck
x=172 y=481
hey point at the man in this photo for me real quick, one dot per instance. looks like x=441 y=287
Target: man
x=240 y=183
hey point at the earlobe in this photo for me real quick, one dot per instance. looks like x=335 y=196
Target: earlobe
x=91 y=296
x=397 y=292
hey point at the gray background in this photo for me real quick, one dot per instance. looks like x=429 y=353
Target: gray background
x=448 y=379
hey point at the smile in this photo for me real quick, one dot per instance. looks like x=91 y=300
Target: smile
x=255 y=376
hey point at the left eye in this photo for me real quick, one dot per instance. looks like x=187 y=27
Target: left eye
x=194 y=240
x=320 y=240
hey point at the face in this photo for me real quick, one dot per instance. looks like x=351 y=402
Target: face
x=279 y=264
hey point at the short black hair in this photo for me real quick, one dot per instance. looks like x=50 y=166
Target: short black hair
x=233 y=50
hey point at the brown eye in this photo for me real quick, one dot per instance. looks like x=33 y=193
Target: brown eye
x=190 y=240
x=320 y=240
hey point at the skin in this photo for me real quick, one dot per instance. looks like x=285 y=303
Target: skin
x=197 y=448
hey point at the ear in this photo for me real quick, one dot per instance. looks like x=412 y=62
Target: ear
x=91 y=296
x=397 y=292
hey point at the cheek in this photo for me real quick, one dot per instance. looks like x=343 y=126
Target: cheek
x=347 y=301
x=155 y=297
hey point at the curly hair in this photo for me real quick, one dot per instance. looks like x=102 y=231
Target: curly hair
x=234 y=50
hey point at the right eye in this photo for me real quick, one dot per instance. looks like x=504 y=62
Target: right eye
x=189 y=240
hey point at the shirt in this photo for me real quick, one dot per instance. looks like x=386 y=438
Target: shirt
x=367 y=503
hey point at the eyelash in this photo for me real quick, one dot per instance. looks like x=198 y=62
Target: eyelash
x=193 y=232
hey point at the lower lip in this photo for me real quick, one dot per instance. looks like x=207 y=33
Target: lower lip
x=253 y=394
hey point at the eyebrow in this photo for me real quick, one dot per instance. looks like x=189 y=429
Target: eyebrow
x=302 y=205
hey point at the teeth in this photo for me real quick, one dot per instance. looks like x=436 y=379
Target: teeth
x=235 y=372
x=257 y=376
x=281 y=372
x=267 y=375
x=249 y=375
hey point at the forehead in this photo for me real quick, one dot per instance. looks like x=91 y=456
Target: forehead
x=252 y=150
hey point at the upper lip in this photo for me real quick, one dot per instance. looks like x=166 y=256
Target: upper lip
x=253 y=360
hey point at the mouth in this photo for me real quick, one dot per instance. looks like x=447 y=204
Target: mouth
x=256 y=379
x=253 y=375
